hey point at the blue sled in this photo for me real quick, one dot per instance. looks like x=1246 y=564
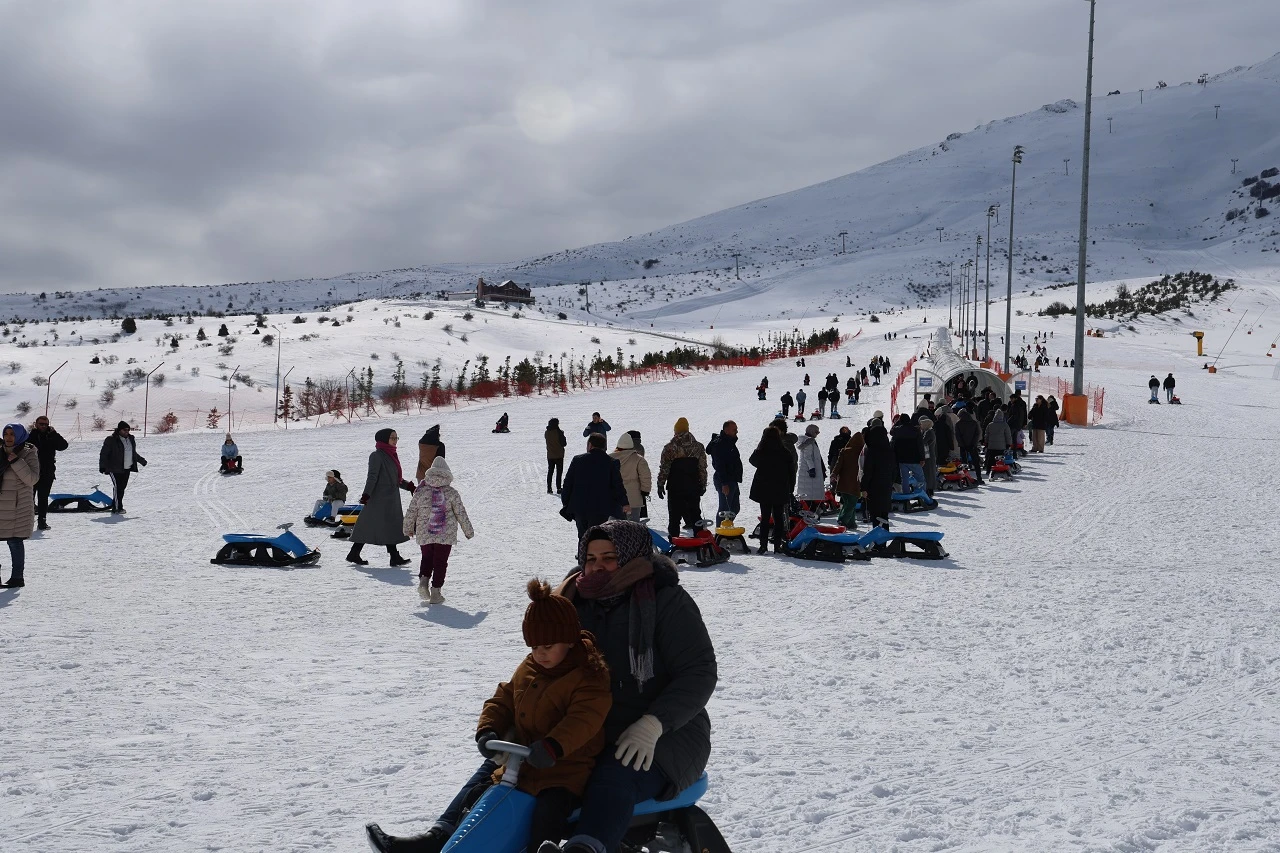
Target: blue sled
x=249 y=549
x=499 y=821
x=879 y=541
x=95 y=501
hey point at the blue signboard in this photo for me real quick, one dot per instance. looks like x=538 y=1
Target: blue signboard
x=1019 y=384
x=926 y=381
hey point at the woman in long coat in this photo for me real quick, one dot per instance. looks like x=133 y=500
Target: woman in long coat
x=811 y=472
x=879 y=468
x=19 y=471
x=771 y=487
x=381 y=520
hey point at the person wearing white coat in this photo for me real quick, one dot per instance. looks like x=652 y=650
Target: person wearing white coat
x=811 y=474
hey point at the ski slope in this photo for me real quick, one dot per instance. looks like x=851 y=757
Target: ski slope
x=1094 y=668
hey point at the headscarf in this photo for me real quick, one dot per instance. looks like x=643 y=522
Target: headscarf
x=382 y=442
x=634 y=546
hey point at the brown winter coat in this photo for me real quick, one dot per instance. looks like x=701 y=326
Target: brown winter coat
x=568 y=704
x=17 y=510
x=844 y=476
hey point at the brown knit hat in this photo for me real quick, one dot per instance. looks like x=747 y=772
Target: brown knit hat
x=549 y=618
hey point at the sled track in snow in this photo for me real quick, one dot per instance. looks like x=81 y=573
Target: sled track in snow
x=221 y=515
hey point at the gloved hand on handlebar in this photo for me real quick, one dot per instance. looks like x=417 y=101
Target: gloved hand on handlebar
x=482 y=743
x=544 y=753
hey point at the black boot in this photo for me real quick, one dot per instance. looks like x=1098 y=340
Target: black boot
x=431 y=841
x=42 y=525
x=764 y=548
x=353 y=556
x=15 y=581
x=396 y=559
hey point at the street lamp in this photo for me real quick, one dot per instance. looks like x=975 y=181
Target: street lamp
x=973 y=326
x=1066 y=164
x=1075 y=404
x=1234 y=160
x=736 y=255
x=986 y=323
x=1216 y=107
x=940 y=229
x=1008 y=303
x=951 y=289
x=234 y=371
x=842 y=235
x=1108 y=124
x=279 y=344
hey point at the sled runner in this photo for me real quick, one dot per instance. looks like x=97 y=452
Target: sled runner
x=95 y=501
x=250 y=549
x=913 y=498
x=499 y=821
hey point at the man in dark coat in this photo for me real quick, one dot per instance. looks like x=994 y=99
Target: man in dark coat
x=837 y=444
x=1168 y=393
x=942 y=432
x=556 y=443
x=968 y=437
x=682 y=475
x=908 y=449
x=787 y=402
x=48 y=442
x=726 y=462
x=1017 y=414
x=593 y=490
x=118 y=459
x=878 y=472
x=597 y=425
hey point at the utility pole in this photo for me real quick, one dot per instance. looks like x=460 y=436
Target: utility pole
x=1216 y=107
x=1066 y=164
x=279 y=343
x=940 y=229
x=736 y=255
x=843 y=234
x=1008 y=303
x=1077 y=411
x=1109 y=123
x=951 y=289
x=1234 y=160
x=986 y=323
x=1140 y=91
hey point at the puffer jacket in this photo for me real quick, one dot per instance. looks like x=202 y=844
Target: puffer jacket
x=436 y=509
x=811 y=486
x=637 y=478
x=682 y=470
x=998 y=435
x=18 y=478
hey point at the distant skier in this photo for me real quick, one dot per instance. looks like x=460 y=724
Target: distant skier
x=1168 y=387
x=1154 y=385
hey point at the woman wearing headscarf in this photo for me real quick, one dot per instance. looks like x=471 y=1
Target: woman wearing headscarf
x=381 y=519
x=19 y=472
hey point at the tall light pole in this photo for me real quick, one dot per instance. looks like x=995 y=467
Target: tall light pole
x=986 y=323
x=843 y=234
x=1109 y=124
x=973 y=326
x=230 y=378
x=1008 y=302
x=1216 y=107
x=940 y=229
x=1076 y=411
x=1234 y=160
x=1066 y=165
x=279 y=344
x=736 y=255
x=951 y=289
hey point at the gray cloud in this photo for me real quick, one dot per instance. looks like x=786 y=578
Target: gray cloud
x=151 y=142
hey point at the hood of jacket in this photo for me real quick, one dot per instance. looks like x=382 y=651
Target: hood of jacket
x=684 y=443
x=438 y=474
x=999 y=417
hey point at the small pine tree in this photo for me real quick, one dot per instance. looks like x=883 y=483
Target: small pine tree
x=128 y=326
x=222 y=331
x=286 y=403
x=200 y=335
x=214 y=417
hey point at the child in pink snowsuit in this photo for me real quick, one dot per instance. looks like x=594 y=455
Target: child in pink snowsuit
x=433 y=518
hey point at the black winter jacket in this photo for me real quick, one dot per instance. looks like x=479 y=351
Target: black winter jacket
x=48 y=442
x=879 y=468
x=725 y=458
x=593 y=486
x=111 y=458
x=908 y=444
x=684 y=675
x=968 y=431
x=942 y=433
x=1017 y=416
x=775 y=477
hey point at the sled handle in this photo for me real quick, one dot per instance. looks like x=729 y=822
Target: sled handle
x=516 y=754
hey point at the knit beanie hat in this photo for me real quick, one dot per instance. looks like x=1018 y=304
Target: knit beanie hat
x=625 y=442
x=682 y=425
x=549 y=618
x=123 y=425
x=878 y=414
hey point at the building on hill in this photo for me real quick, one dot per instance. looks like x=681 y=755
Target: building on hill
x=508 y=291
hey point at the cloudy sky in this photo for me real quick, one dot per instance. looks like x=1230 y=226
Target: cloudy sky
x=210 y=141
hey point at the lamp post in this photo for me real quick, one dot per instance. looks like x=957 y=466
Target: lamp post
x=736 y=255
x=1109 y=124
x=48 y=386
x=1216 y=107
x=951 y=289
x=842 y=235
x=231 y=377
x=1008 y=302
x=279 y=344
x=940 y=229
x=1075 y=406
x=146 y=398
x=973 y=324
x=986 y=323
x=1234 y=160
x=1066 y=165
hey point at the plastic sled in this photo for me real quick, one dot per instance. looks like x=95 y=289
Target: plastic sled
x=837 y=416
x=346 y=519
x=957 y=477
x=228 y=466
x=95 y=501
x=1175 y=400
x=727 y=532
x=250 y=549
x=1005 y=467
x=701 y=543
x=799 y=418
x=503 y=429
x=816 y=416
x=833 y=543
x=499 y=821
x=913 y=498
x=829 y=505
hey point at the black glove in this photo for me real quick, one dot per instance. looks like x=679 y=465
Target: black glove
x=644 y=494
x=407 y=486
x=482 y=743
x=364 y=499
x=813 y=472
x=661 y=494
x=566 y=513
x=543 y=753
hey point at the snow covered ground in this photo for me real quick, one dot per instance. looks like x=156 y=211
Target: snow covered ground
x=1093 y=669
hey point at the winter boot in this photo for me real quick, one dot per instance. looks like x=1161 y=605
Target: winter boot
x=437 y=597
x=15 y=581
x=43 y=525
x=353 y=556
x=396 y=558
x=431 y=841
x=764 y=548
x=424 y=588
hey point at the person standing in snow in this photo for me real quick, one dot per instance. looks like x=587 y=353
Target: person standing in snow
x=789 y=440
x=597 y=425
x=800 y=400
x=968 y=438
x=1154 y=385
x=1168 y=387
x=772 y=487
x=48 y=444
x=822 y=402
x=635 y=438
x=682 y=476
x=844 y=478
x=1038 y=420
x=837 y=444
x=876 y=472
x=556 y=443
x=726 y=462
x=787 y=402
x=908 y=449
x=930 y=440
x=435 y=513
x=429 y=447
x=1053 y=419
x=381 y=520
x=118 y=459
x=19 y=474
x=999 y=438
x=637 y=479
x=811 y=479
x=593 y=489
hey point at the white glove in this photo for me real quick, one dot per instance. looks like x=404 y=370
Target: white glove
x=639 y=741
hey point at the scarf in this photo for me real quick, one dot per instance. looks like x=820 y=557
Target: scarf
x=390 y=450
x=636 y=577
